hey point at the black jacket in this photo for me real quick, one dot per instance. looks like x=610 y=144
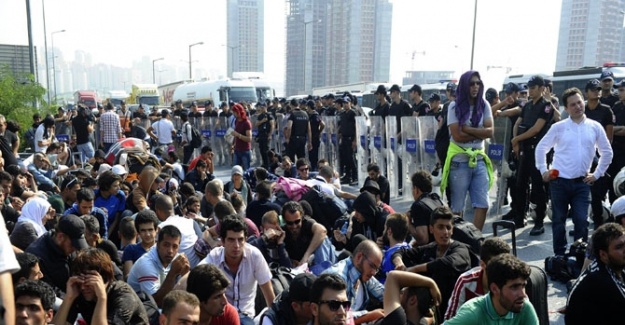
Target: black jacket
x=54 y=265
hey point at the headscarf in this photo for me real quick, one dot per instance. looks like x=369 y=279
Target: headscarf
x=33 y=212
x=240 y=110
x=463 y=104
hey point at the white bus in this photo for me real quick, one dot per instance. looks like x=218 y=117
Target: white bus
x=563 y=80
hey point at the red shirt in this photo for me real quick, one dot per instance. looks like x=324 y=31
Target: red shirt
x=230 y=317
x=242 y=127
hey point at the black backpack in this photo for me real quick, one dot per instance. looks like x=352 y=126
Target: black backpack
x=466 y=232
x=326 y=209
x=281 y=277
x=196 y=137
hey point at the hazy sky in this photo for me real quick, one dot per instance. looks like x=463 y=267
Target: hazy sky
x=522 y=35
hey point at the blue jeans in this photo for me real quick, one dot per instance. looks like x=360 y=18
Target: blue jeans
x=243 y=159
x=87 y=151
x=245 y=320
x=325 y=252
x=463 y=179
x=565 y=192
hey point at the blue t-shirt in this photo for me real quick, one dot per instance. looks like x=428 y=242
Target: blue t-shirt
x=387 y=261
x=114 y=204
x=132 y=252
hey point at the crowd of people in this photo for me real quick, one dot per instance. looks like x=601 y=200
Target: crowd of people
x=168 y=242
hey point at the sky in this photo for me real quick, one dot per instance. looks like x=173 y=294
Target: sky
x=514 y=36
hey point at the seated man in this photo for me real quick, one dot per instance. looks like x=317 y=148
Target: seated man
x=421 y=210
x=293 y=305
x=209 y=284
x=325 y=181
x=29 y=268
x=258 y=207
x=85 y=205
x=189 y=229
x=394 y=238
x=93 y=292
x=358 y=272
x=443 y=260
x=180 y=307
x=271 y=241
x=34 y=302
x=373 y=170
x=44 y=175
x=368 y=220
x=507 y=278
x=328 y=300
x=156 y=272
x=244 y=266
x=408 y=299
x=305 y=237
x=599 y=292
x=146 y=224
x=474 y=282
x=199 y=176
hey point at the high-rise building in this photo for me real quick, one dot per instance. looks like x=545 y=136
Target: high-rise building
x=246 y=42
x=590 y=33
x=336 y=42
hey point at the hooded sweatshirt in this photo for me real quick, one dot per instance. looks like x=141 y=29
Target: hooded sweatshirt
x=142 y=193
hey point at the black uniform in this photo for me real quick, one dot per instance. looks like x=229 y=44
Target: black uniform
x=609 y=100
x=347 y=133
x=399 y=110
x=264 y=137
x=299 y=132
x=381 y=110
x=527 y=171
x=618 y=146
x=421 y=108
x=602 y=114
x=315 y=131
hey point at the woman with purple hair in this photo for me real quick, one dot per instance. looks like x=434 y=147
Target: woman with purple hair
x=467 y=167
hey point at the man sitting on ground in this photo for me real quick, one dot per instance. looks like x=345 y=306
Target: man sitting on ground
x=209 y=284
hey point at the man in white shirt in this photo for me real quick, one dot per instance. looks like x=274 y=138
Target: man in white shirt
x=190 y=230
x=324 y=180
x=165 y=130
x=245 y=267
x=575 y=141
x=157 y=271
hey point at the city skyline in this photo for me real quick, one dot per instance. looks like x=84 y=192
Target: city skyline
x=439 y=33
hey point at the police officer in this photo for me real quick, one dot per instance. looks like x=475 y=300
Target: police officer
x=442 y=134
x=529 y=129
x=209 y=109
x=297 y=131
x=399 y=108
x=316 y=126
x=420 y=107
x=265 y=125
x=382 y=108
x=618 y=138
x=607 y=82
x=435 y=107
x=347 y=145
x=601 y=113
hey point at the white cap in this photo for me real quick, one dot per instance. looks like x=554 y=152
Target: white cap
x=103 y=168
x=618 y=207
x=119 y=170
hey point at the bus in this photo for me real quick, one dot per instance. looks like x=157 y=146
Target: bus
x=563 y=80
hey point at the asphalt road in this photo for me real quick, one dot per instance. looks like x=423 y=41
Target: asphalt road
x=531 y=249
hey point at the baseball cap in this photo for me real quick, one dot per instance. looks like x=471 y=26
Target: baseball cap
x=592 y=84
x=299 y=290
x=179 y=101
x=237 y=170
x=330 y=96
x=74 y=228
x=416 y=88
x=103 y=168
x=522 y=88
x=491 y=93
x=381 y=90
x=452 y=86
x=510 y=88
x=57 y=203
x=620 y=84
x=395 y=88
x=119 y=170
x=340 y=100
x=618 y=207
x=536 y=81
x=607 y=74
x=434 y=97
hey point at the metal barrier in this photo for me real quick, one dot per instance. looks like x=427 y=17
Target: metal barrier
x=408 y=150
x=391 y=156
x=498 y=151
x=362 y=150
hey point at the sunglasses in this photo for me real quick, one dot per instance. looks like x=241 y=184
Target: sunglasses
x=293 y=223
x=303 y=169
x=475 y=83
x=335 y=304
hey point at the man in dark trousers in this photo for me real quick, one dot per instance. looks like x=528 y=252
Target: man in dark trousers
x=529 y=129
x=297 y=131
x=265 y=124
x=316 y=126
x=348 y=141
x=398 y=109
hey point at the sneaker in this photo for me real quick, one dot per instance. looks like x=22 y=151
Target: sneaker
x=538 y=229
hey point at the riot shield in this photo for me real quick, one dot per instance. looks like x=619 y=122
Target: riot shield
x=223 y=156
x=362 y=150
x=428 y=125
x=331 y=139
x=377 y=142
x=278 y=139
x=391 y=156
x=256 y=155
x=409 y=150
x=208 y=130
x=498 y=151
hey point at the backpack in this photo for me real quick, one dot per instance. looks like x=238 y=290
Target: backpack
x=196 y=137
x=281 y=277
x=466 y=232
x=558 y=268
x=293 y=188
x=326 y=209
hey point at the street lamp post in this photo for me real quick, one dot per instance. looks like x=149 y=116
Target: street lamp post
x=190 y=60
x=153 y=75
x=232 y=48
x=45 y=48
x=53 y=59
x=473 y=41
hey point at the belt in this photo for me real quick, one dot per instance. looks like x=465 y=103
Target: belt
x=574 y=180
x=299 y=136
x=164 y=144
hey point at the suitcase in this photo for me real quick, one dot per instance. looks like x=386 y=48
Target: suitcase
x=536 y=288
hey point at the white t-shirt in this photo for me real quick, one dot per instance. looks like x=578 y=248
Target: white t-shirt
x=163 y=129
x=189 y=237
x=39 y=137
x=252 y=271
x=8 y=263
